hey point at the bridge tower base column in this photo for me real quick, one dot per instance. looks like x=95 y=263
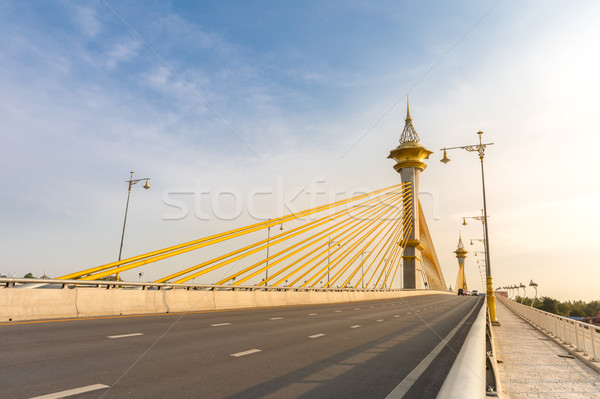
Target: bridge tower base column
x=409 y=156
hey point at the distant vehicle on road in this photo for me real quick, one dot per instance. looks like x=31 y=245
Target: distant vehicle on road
x=475 y=293
x=461 y=291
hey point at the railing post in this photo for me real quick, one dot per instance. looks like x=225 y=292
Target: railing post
x=577 y=345
x=593 y=335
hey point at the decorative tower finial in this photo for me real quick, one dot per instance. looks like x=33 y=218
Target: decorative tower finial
x=409 y=134
x=460 y=243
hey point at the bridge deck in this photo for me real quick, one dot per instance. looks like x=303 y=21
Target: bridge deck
x=533 y=366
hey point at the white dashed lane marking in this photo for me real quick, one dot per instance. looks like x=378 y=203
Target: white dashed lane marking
x=248 y=352
x=71 y=392
x=220 y=324
x=316 y=336
x=276 y=318
x=124 y=335
x=312 y=314
x=355 y=326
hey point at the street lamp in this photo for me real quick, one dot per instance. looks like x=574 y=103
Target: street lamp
x=268 y=239
x=480 y=149
x=362 y=267
x=131 y=182
x=534 y=285
x=329 y=242
x=521 y=285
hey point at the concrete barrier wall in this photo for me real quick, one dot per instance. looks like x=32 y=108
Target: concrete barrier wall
x=31 y=304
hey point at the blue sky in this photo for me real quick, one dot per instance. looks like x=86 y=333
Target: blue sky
x=241 y=94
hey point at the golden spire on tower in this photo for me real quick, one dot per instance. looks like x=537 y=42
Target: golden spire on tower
x=409 y=134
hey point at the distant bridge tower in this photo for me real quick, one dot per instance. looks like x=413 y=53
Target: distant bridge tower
x=409 y=156
x=461 y=254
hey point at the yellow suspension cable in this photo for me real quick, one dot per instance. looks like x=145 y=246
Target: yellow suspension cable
x=326 y=219
x=406 y=223
x=392 y=235
x=381 y=209
x=343 y=269
x=189 y=246
x=270 y=241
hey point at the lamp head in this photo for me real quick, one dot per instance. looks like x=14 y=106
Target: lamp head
x=464 y=223
x=445 y=158
x=532 y=284
x=147 y=186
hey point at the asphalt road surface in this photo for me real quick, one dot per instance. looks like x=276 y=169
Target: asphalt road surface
x=350 y=350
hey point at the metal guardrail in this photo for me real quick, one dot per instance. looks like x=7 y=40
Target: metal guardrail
x=467 y=377
x=581 y=336
x=31 y=283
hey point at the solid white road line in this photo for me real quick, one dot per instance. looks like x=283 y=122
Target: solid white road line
x=220 y=324
x=71 y=392
x=355 y=326
x=124 y=335
x=276 y=318
x=249 y=352
x=413 y=376
x=316 y=336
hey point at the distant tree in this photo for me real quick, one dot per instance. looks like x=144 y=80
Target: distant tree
x=548 y=304
x=29 y=275
x=592 y=308
x=109 y=278
x=576 y=313
x=563 y=308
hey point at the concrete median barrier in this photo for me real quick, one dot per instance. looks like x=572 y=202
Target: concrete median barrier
x=16 y=304
x=31 y=304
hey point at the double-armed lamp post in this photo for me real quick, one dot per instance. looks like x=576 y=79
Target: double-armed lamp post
x=131 y=182
x=480 y=149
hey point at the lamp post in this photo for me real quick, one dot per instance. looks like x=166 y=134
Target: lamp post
x=362 y=267
x=131 y=182
x=534 y=285
x=329 y=242
x=521 y=285
x=267 y=263
x=480 y=149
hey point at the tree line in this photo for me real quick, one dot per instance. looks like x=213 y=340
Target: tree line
x=569 y=308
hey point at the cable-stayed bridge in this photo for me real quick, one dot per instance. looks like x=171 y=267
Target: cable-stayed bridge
x=345 y=299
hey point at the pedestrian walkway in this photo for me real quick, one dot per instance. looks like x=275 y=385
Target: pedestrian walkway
x=533 y=366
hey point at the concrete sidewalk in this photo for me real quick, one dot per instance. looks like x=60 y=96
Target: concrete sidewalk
x=533 y=366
